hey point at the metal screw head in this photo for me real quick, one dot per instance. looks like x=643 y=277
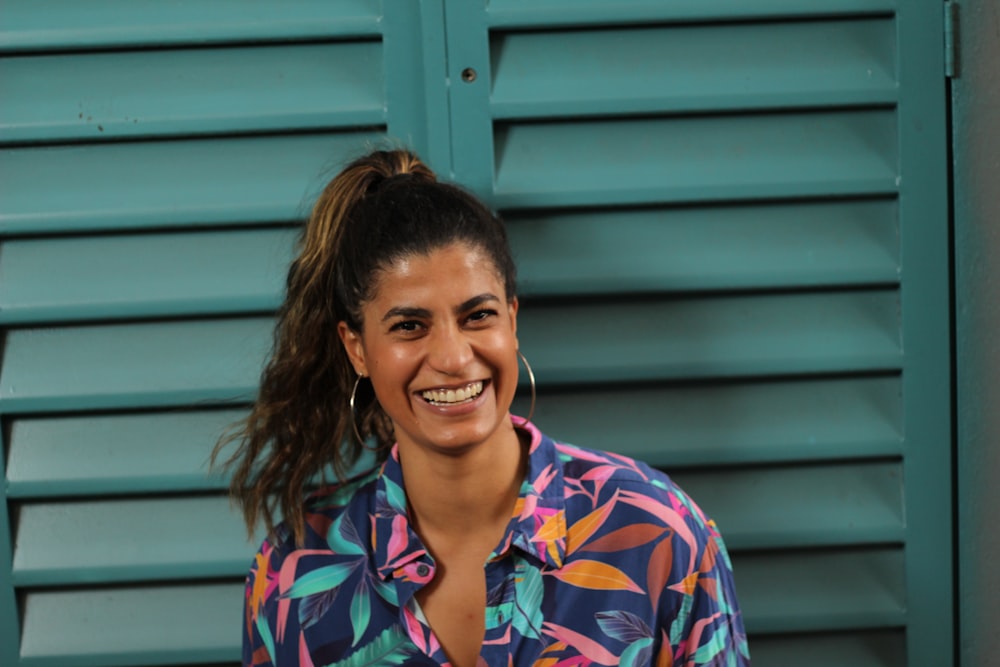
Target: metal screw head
x=468 y=75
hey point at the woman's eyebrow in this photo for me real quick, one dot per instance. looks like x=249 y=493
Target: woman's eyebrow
x=406 y=311
x=475 y=301
x=423 y=313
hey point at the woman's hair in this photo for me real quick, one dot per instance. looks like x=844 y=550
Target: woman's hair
x=381 y=208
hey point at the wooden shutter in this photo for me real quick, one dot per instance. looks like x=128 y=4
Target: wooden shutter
x=731 y=226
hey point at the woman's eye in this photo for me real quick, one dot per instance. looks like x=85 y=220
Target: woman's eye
x=481 y=315
x=405 y=326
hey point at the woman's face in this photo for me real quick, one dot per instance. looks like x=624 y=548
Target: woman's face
x=439 y=344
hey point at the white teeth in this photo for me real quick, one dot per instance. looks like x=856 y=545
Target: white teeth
x=446 y=396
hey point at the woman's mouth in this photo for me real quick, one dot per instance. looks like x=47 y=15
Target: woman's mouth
x=453 y=396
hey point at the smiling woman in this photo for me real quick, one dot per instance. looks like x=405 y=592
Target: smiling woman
x=477 y=540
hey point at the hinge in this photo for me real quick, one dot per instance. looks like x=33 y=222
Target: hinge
x=951 y=39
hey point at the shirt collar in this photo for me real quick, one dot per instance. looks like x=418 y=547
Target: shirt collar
x=537 y=526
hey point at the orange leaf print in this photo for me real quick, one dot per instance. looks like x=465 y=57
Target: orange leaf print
x=708 y=558
x=666 y=657
x=687 y=584
x=553 y=528
x=584 y=529
x=661 y=564
x=595 y=575
x=623 y=539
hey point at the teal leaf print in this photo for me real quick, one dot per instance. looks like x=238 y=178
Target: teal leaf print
x=395 y=496
x=361 y=610
x=528 y=593
x=385 y=590
x=320 y=579
x=623 y=626
x=343 y=537
x=638 y=654
x=390 y=648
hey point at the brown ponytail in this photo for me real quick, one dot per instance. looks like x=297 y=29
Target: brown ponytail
x=380 y=207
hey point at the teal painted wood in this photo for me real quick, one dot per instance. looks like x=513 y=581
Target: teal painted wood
x=711 y=337
x=110 y=627
x=974 y=102
x=469 y=76
x=923 y=155
x=416 y=81
x=739 y=247
x=655 y=69
x=129 y=94
x=119 y=540
x=67 y=24
x=133 y=365
x=749 y=421
x=170 y=183
x=143 y=275
x=696 y=159
x=525 y=13
x=93 y=455
x=811 y=591
x=10 y=620
x=883 y=648
x=815 y=505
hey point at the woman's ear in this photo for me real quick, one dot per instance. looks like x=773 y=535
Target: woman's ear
x=352 y=345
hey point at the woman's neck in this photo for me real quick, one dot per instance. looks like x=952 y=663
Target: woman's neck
x=456 y=497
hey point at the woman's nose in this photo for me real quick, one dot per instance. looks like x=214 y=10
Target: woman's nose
x=450 y=351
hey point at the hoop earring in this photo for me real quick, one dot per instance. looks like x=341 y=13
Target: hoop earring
x=354 y=421
x=531 y=379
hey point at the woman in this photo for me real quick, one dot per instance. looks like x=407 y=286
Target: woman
x=477 y=540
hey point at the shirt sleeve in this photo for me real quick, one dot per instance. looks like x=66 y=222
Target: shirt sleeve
x=706 y=627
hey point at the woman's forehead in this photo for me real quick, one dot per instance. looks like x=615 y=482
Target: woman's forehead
x=455 y=272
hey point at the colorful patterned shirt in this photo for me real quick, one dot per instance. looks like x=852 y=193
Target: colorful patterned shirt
x=605 y=562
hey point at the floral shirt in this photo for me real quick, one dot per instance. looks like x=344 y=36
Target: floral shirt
x=605 y=562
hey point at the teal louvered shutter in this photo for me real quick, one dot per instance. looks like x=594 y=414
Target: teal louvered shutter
x=732 y=230
x=731 y=227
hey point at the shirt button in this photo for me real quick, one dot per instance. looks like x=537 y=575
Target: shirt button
x=423 y=570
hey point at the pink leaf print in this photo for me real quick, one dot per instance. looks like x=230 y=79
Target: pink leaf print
x=587 y=647
x=666 y=515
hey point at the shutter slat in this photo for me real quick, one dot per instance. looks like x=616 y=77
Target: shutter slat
x=803 y=591
x=884 y=648
x=694 y=159
x=746 y=422
x=129 y=540
x=119 y=453
x=125 y=453
x=158 y=184
x=191 y=91
x=502 y=13
x=148 y=275
x=135 y=365
x=664 y=338
x=802 y=506
x=661 y=69
x=145 y=625
x=745 y=247
x=69 y=24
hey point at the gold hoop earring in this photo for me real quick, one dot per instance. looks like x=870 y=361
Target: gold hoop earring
x=354 y=420
x=531 y=379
